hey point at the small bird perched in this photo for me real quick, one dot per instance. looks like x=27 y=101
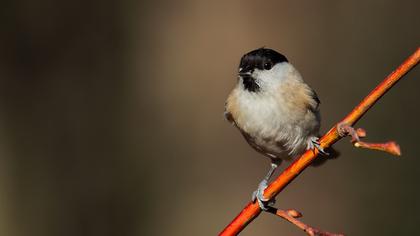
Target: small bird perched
x=275 y=110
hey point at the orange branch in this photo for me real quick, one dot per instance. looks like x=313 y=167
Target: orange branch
x=252 y=210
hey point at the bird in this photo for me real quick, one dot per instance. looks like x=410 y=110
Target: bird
x=277 y=113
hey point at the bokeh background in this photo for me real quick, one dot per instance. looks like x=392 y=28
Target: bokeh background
x=111 y=115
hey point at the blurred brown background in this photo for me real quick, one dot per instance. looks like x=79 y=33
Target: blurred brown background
x=111 y=115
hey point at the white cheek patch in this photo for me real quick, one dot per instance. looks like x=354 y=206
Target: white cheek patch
x=270 y=79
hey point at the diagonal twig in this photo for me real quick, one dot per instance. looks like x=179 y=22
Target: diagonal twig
x=291 y=215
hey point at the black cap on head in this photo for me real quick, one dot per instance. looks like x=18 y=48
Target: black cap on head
x=262 y=58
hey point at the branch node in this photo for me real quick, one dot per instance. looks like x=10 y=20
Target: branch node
x=345 y=129
x=361 y=132
x=294 y=213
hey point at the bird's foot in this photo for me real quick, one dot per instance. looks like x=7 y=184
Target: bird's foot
x=258 y=195
x=316 y=144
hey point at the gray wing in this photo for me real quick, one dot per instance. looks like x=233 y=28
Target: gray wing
x=316 y=99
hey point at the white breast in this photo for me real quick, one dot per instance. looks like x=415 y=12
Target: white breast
x=275 y=119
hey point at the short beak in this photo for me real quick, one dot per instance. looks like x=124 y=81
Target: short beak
x=244 y=74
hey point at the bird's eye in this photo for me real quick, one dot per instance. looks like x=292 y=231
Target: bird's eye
x=267 y=65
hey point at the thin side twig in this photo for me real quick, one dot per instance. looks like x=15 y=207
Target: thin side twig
x=390 y=147
x=292 y=215
x=252 y=210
